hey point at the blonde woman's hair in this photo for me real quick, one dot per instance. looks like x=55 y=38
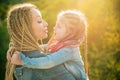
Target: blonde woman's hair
x=19 y=21
x=76 y=23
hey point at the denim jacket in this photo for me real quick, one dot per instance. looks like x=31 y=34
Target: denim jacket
x=55 y=73
x=70 y=57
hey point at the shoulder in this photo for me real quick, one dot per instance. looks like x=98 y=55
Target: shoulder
x=65 y=50
x=70 y=50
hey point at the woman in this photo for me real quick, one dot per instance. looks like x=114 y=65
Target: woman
x=26 y=27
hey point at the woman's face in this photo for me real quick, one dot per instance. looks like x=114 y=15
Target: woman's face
x=60 y=31
x=39 y=26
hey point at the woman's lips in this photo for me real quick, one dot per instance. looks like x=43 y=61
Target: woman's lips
x=46 y=31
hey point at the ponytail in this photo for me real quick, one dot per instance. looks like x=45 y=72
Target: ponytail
x=10 y=67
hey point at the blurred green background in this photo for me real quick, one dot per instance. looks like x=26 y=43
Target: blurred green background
x=103 y=32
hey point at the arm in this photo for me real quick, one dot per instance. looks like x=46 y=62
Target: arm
x=49 y=61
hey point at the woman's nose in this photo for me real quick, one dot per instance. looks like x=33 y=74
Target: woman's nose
x=45 y=23
x=54 y=28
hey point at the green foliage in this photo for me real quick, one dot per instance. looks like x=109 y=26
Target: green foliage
x=103 y=32
x=4 y=40
x=3 y=9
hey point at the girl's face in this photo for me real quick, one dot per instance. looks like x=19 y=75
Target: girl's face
x=39 y=26
x=60 y=31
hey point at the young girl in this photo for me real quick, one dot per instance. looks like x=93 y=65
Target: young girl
x=69 y=33
x=26 y=27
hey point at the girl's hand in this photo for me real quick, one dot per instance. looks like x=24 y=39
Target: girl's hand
x=15 y=59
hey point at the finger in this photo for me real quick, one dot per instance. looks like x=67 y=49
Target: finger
x=8 y=56
x=15 y=59
x=16 y=52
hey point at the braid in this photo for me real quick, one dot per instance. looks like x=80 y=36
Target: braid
x=10 y=67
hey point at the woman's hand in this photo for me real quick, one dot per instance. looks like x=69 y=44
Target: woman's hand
x=15 y=59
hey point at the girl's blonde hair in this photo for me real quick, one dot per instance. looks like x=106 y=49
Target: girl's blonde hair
x=21 y=35
x=76 y=24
